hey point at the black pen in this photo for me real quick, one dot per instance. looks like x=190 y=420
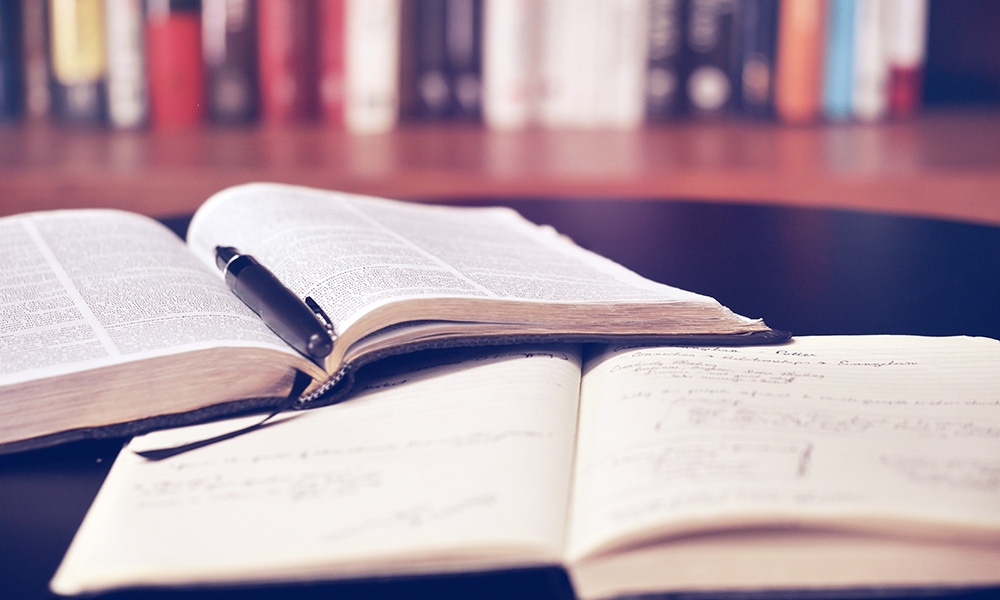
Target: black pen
x=280 y=309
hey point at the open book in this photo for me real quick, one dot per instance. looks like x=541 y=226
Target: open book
x=110 y=320
x=846 y=462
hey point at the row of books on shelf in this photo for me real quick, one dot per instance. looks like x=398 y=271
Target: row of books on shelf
x=364 y=65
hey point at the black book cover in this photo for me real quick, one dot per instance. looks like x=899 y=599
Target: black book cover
x=758 y=26
x=229 y=39
x=11 y=76
x=665 y=63
x=710 y=42
x=447 y=46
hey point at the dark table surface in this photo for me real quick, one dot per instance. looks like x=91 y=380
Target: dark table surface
x=803 y=270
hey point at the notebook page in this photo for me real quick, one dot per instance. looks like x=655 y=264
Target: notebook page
x=460 y=466
x=888 y=433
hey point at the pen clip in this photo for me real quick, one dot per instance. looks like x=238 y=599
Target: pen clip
x=322 y=316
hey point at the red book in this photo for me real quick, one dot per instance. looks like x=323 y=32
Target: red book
x=332 y=68
x=174 y=63
x=287 y=32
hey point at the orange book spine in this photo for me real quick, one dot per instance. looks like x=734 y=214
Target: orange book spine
x=798 y=85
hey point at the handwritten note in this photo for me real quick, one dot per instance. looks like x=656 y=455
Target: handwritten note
x=860 y=427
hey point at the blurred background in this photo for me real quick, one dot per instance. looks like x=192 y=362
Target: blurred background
x=152 y=105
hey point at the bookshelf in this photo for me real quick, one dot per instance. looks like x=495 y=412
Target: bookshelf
x=944 y=163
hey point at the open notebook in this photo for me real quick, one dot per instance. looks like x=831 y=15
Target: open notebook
x=828 y=462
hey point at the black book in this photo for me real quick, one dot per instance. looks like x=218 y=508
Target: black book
x=447 y=45
x=754 y=73
x=11 y=75
x=710 y=39
x=664 y=67
x=229 y=39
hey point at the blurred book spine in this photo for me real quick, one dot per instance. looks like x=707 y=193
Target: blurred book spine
x=620 y=89
x=35 y=57
x=289 y=61
x=711 y=49
x=870 y=98
x=128 y=100
x=800 y=60
x=333 y=84
x=229 y=48
x=174 y=62
x=432 y=81
x=511 y=86
x=11 y=74
x=756 y=57
x=664 y=64
x=838 y=82
x=463 y=52
x=77 y=57
x=907 y=47
x=372 y=65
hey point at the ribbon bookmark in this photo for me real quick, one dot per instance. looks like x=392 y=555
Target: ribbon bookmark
x=299 y=386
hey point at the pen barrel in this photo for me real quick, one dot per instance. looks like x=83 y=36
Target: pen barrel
x=280 y=309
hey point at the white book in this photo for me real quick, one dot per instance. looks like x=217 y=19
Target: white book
x=372 y=65
x=871 y=66
x=128 y=100
x=907 y=40
x=567 y=48
x=594 y=58
x=511 y=43
x=621 y=63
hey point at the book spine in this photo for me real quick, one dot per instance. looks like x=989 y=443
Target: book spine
x=128 y=101
x=870 y=97
x=78 y=60
x=433 y=85
x=35 y=59
x=464 y=52
x=907 y=52
x=174 y=63
x=839 y=69
x=621 y=64
x=569 y=50
x=800 y=60
x=229 y=49
x=711 y=33
x=510 y=79
x=289 y=60
x=757 y=41
x=557 y=67
x=11 y=76
x=665 y=59
x=332 y=85
x=373 y=34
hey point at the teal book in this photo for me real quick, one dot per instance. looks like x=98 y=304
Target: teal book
x=839 y=71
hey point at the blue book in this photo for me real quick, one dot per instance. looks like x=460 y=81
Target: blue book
x=839 y=69
x=11 y=75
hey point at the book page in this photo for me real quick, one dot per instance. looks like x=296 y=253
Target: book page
x=351 y=253
x=82 y=289
x=894 y=434
x=459 y=462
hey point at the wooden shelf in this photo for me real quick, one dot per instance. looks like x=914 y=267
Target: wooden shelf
x=943 y=164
